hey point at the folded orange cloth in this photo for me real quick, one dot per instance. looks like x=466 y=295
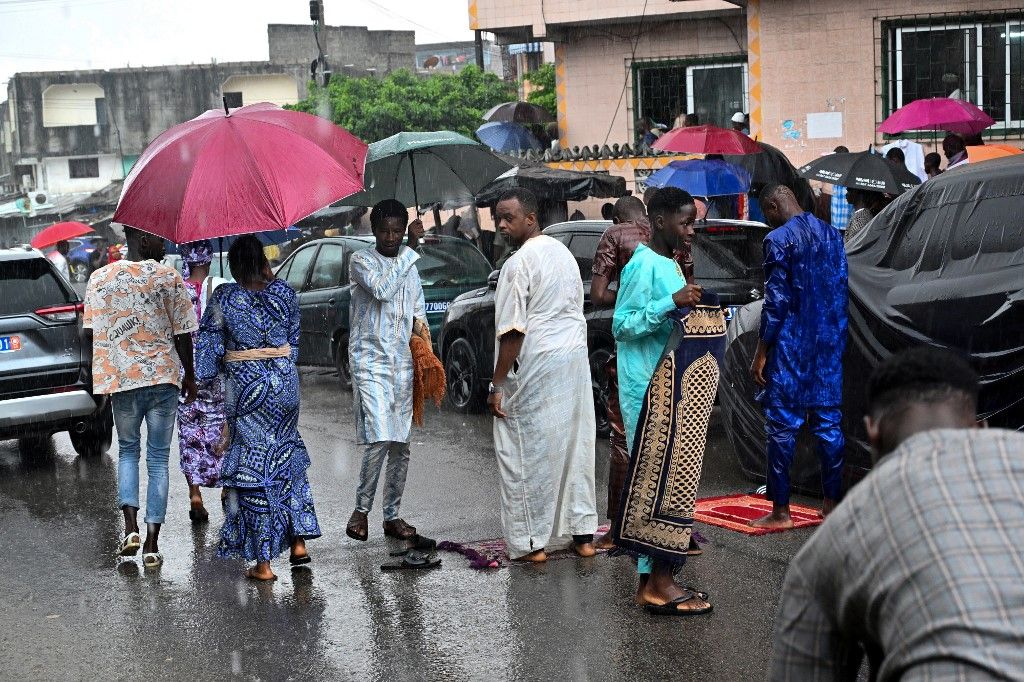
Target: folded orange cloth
x=428 y=380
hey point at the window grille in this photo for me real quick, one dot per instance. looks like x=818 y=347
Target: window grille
x=977 y=56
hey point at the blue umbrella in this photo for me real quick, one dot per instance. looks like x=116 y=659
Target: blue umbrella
x=703 y=177
x=507 y=137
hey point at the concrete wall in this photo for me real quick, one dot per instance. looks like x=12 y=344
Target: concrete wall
x=593 y=66
x=820 y=56
x=277 y=89
x=142 y=104
x=56 y=179
x=383 y=51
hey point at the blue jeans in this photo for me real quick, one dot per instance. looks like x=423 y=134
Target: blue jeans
x=158 y=406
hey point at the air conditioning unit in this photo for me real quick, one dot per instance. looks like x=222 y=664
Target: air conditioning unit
x=39 y=198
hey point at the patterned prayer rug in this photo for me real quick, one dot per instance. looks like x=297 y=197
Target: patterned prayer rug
x=735 y=511
x=493 y=553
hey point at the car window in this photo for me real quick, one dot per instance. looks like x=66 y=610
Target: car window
x=451 y=263
x=728 y=253
x=327 y=271
x=583 y=247
x=296 y=276
x=564 y=237
x=35 y=283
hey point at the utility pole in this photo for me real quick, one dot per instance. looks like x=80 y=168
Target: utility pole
x=318 y=69
x=479 y=49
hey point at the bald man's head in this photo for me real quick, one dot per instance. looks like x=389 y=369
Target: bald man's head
x=628 y=209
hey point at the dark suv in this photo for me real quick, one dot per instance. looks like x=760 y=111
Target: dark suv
x=318 y=271
x=727 y=260
x=45 y=364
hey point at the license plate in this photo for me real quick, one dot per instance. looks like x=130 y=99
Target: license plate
x=9 y=344
x=437 y=306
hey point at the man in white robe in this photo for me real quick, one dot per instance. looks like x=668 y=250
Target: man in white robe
x=387 y=300
x=541 y=396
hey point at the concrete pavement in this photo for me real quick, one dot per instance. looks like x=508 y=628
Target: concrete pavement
x=70 y=611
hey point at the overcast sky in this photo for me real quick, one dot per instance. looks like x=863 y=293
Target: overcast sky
x=50 y=35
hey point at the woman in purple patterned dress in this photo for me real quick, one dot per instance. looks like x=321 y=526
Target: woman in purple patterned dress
x=201 y=423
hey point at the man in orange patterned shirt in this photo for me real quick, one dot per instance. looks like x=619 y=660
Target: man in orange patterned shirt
x=140 y=317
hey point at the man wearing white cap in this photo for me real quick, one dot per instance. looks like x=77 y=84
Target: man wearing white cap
x=739 y=122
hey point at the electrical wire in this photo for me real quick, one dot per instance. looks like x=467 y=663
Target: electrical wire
x=625 y=80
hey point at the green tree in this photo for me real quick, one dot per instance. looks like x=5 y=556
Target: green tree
x=375 y=108
x=543 y=82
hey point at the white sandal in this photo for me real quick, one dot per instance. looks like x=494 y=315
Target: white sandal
x=152 y=559
x=130 y=545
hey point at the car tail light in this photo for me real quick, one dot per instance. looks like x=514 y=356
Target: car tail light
x=61 y=313
x=723 y=229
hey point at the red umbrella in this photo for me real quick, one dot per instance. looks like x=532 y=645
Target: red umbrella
x=706 y=139
x=941 y=113
x=256 y=168
x=58 y=232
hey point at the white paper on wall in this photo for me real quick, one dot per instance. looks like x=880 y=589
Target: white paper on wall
x=825 y=124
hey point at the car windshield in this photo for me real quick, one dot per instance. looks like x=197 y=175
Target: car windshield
x=34 y=286
x=451 y=262
x=727 y=253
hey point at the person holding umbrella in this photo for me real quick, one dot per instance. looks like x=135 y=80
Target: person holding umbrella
x=59 y=258
x=799 y=359
x=387 y=308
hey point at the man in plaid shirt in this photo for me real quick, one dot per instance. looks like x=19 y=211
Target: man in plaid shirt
x=920 y=567
x=841 y=208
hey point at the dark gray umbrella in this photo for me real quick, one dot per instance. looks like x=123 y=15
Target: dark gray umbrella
x=519 y=112
x=861 y=170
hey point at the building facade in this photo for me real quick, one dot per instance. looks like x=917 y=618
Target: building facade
x=811 y=74
x=74 y=132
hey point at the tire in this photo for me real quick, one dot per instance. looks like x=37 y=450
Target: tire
x=463 y=377
x=96 y=438
x=79 y=272
x=599 y=381
x=341 y=364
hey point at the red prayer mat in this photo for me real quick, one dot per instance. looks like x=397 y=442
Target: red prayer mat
x=735 y=511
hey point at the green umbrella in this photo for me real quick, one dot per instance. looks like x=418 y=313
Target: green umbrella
x=427 y=168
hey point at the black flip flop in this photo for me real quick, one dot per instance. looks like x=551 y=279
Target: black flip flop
x=670 y=609
x=299 y=561
x=413 y=560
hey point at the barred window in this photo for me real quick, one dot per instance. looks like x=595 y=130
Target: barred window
x=714 y=88
x=979 y=58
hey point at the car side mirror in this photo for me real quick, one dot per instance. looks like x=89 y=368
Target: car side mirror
x=492 y=280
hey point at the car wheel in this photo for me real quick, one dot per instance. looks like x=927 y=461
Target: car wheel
x=341 y=364
x=95 y=439
x=599 y=381
x=79 y=272
x=463 y=377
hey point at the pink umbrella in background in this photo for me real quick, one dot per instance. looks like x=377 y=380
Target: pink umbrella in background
x=938 y=113
x=254 y=169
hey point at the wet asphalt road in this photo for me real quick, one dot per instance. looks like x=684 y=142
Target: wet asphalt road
x=71 y=611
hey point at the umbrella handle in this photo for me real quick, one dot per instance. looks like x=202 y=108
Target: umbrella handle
x=415 y=194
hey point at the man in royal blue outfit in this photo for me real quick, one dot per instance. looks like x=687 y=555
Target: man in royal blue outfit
x=799 y=357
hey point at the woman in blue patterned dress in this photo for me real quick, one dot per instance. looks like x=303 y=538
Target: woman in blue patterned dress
x=250 y=332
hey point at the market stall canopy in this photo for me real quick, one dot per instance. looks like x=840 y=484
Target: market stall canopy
x=553 y=184
x=256 y=168
x=861 y=170
x=938 y=113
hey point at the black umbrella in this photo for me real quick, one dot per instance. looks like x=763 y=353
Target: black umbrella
x=772 y=167
x=519 y=112
x=861 y=170
x=552 y=184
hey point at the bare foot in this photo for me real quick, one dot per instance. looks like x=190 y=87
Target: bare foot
x=535 y=557
x=655 y=597
x=261 y=571
x=605 y=542
x=584 y=549
x=298 y=549
x=775 y=521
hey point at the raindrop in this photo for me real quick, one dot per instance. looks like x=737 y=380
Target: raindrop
x=236 y=662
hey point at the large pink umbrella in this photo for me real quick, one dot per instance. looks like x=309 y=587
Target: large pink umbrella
x=938 y=113
x=256 y=168
x=706 y=139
